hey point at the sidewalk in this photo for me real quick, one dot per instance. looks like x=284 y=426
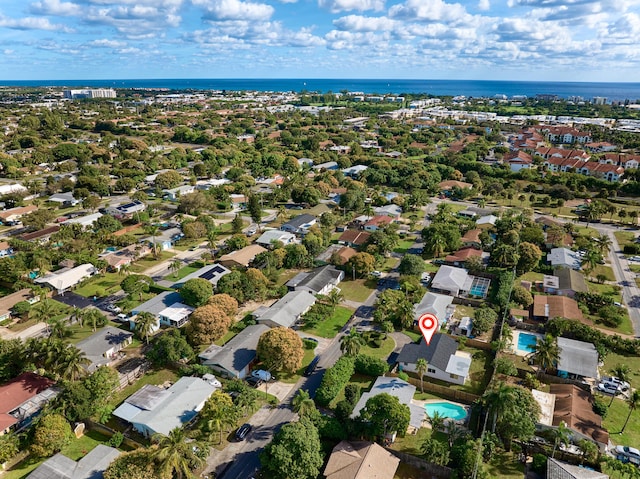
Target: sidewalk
x=30 y=332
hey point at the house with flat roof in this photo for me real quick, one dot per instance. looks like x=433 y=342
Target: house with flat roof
x=398 y=388
x=444 y=360
x=90 y=466
x=22 y=398
x=241 y=258
x=577 y=359
x=102 y=347
x=269 y=237
x=234 y=359
x=564 y=258
x=153 y=409
x=359 y=460
x=300 y=224
x=167 y=307
x=286 y=311
x=317 y=281
x=66 y=278
x=175 y=193
x=452 y=280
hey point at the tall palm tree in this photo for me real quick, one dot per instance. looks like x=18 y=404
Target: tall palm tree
x=546 y=352
x=436 y=421
x=435 y=244
x=496 y=401
x=58 y=328
x=175 y=266
x=421 y=368
x=302 y=403
x=145 y=324
x=153 y=230
x=175 y=456
x=590 y=260
x=351 y=343
x=71 y=365
x=561 y=436
x=634 y=403
x=603 y=244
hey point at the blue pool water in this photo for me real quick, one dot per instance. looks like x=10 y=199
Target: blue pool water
x=527 y=342
x=111 y=248
x=477 y=290
x=446 y=409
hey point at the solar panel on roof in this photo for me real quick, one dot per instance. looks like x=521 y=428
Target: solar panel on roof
x=215 y=271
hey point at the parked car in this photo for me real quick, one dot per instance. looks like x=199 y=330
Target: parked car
x=612 y=385
x=114 y=308
x=122 y=318
x=242 y=431
x=312 y=366
x=255 y=382
x=628 y=454
x=261 y=374
x=376 y=274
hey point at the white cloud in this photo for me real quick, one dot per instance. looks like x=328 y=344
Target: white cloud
x=484 y=5
x=428 y=10
x=234 y=10
x=240 y=34
x=359 y=23
x=106 y=43
x=336 y=6
x=32 y=23
x=341 y=40
x=54 y=7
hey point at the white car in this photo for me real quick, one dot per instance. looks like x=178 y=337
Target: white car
x=376 y=274
x=628 y=454
x=613 y=385
x=114 y=309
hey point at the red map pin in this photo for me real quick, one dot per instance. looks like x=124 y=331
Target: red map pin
x=428 y=324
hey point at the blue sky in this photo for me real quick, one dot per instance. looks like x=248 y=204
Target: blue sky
x=562 y=40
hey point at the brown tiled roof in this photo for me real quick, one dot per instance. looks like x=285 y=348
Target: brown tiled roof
x=242 y=257
x=356 y=237
x=346 y=253
x=472 y=236
x=40 y=233
x=21 y=210
x=360 y=460
x=18 y=391
x=573 y=406
x=9 y=301
x=379 y=220
x=463 y=254
x=558 y=307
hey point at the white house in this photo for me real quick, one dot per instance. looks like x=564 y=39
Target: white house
x=270 y=236
x=174 y=193
x=300 y=224
x=452 y=280
x=126 y=210
x=102 y=347
x=67 y=278
x=154 y=409
x=318 y=281
x=564 y=257
x=167 y=307
x=444 y=360
x=439 y=305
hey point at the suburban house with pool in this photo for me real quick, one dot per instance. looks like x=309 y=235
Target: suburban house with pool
x=577 y=359
x=444 y=360
x=458 y=282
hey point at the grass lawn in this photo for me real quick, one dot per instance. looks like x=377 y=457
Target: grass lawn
x=616 y=416
x=155 y=377
x=358 y=290
x=389 y=264
x=605 y=289
x=128 y=304
x=184 y=271
x=411 y=443
x=604 y=270
x=185 y=244
x=612 y=360
x=149 y=261
x=75 y=450
x=403 y=246
x=226 y=338
x=383 y=352
x=624 y=238
x=331 y=326
x=101 y=285
x=414 y=335
x=462 y=311
x=504 y=465
x=362 y=381
x=530 y=276
x=625 y=328
x=430 y=267
x=285 y=276
x=78 y=333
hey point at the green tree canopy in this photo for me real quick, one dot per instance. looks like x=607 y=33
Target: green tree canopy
x=196 y=292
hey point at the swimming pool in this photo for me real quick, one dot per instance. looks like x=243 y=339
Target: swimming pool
x=527 y=342
x=446 y=409
x=479 y=287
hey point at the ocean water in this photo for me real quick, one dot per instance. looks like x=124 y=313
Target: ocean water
x=469 y=88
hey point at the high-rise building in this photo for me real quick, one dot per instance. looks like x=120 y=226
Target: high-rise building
x=90 y=93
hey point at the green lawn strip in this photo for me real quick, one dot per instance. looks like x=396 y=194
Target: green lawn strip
x=289 y=378
x=403 y=245
x=184 y=271
x=605 y=289
x=127 y=304
x=286 y=275
x=612 y=360
x=101 y=285
x=604 y=270
x=331 y=326
x=383 y=352
x=504 y=465
x=389 y=264
x=624 y=238
x=185 y=244
x=358 y=290
x=149 y=261
x=464 y=311
x=155 y=377
x=613 y=422
x=362 y=381
x=75 y=450
x=625 y=327
x=412 y=443
x=226 y=338
x=530 y=276
x=78 y=333
x=477 y=382
x=430 y=267
x=414 y=335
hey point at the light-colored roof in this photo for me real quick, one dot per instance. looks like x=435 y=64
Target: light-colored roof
x=211 y=272
x=564 y=257
x=183 y=401
x=433 y=303
x=394 y=387
x=68 y=278
x=577 y=357
x=158 y=303
x=84 y=220
x=360 y=460
x=458 y=365
x=546 y=401
x=487 y=220
x=103 y=340
x=176 y=312
x=269 y=236
x=563 y=470
x=450 y=277
x=244 y=256
x=91 y=466
x=288 y=309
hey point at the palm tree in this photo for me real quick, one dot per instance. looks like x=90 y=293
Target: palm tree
x=175 y=266
x=152 y=230
x=435 y=244
x=561 y=436
x=351 y=343
x=421 y=369
x=71 y=365
x=302 y=403
x=43 y=311
x=590 y=260
x=633 y=402
x=58 y=328
x=546 y=352
x=496 y=400
x=125 y=269
x=453 y=432
x=603 y=244
x=622 y=214
x=436 y=421
x=145 y=324
x=175 y=457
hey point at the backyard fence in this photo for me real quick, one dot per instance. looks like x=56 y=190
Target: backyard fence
x=444 y=391
x=131 y=371
x=432 y=471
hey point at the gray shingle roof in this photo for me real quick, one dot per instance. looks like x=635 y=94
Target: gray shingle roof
x=317 y=279
x=90 y=466
x=158 y=303
x=578 y=357
x=288 y=309
x=436 y=353
x=238 y=353
x=299 y=220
